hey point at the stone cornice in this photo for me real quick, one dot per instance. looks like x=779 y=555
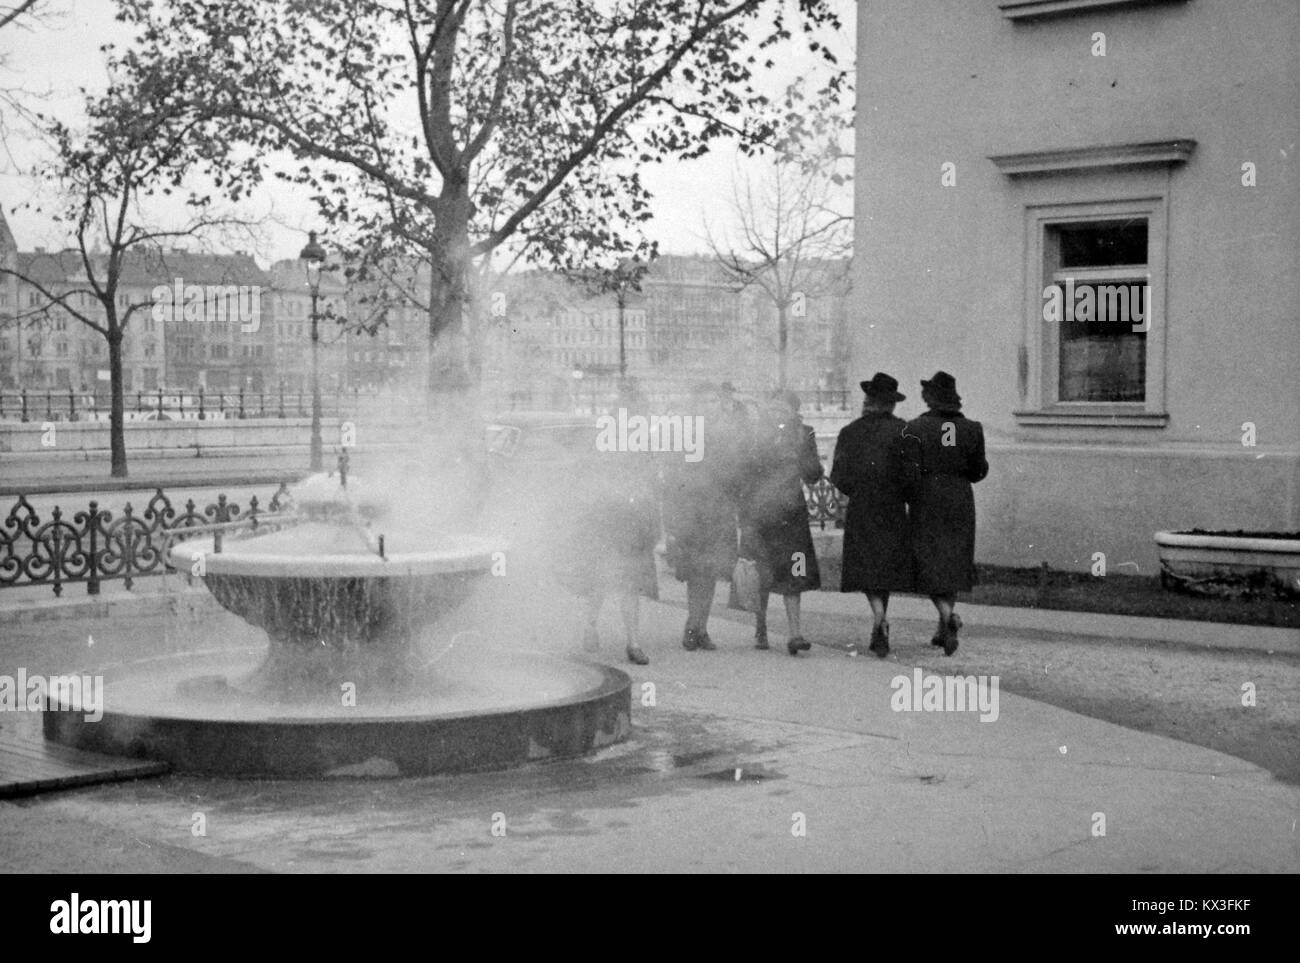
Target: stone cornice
x=1146 y=154
x=1038 y=9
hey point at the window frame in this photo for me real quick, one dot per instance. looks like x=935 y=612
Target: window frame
x=1042 y=372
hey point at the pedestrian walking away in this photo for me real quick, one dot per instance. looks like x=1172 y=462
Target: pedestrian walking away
x=871 y=469
x=699 y=510
x=774 y=513
x=946 y=453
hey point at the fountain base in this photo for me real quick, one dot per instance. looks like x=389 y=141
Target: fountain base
x=195 y=713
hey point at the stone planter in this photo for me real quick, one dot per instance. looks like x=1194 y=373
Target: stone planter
x=1231 y=563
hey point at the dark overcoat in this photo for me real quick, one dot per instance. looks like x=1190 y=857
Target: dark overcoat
x=607 y=539
x=701 y=501
x=946 y=452
x=871 y=470
x=774 y=513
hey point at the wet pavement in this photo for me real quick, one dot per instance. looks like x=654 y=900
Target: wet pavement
x=739 y=761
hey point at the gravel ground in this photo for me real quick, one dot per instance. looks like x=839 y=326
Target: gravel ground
x=1183 y=692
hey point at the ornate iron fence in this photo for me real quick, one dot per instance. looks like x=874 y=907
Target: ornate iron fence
x=94 y=546
x=825 y=504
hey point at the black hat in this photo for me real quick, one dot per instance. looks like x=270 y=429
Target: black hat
x=943 y=389
x=882 y=387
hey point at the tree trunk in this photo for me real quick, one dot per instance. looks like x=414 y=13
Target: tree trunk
x=448 y=362
x=117 y=405
x=622 y=339
x=782 y=340
x=455 y=428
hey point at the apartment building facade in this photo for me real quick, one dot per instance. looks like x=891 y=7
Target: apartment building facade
x=1089 y=213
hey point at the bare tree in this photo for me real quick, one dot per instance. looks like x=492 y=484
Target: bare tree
x=792 y=240
x=15 y=18
x=135 y=145
x=15 y=13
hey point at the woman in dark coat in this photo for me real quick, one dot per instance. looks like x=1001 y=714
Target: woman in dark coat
x=947 y=455
x=611 y=533
x=700 y=501
x=774 y=513
x=870 y=469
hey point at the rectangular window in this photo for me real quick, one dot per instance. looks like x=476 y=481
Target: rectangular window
x=1101 y=279
x=1095 y=353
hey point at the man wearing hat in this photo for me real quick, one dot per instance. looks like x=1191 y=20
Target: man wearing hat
x=870 y=468
x=946 y=454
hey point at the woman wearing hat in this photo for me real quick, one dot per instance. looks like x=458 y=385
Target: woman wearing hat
x=774 y=513
x=870 y=468
x=946 y=451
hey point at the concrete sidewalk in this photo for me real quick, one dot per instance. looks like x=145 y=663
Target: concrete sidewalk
x=38 y=603
x=1215 y=635
x=739 y=761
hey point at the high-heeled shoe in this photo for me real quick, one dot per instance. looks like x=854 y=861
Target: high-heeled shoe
x=798 y=644
x=950 y=634
x=636 y=656
x=760 y=639
x=880 y=640
x=703 y=641
x=690 y=640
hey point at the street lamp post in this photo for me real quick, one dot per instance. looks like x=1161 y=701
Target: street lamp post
x=313 y=258
x=622 y=335
x=577 y=389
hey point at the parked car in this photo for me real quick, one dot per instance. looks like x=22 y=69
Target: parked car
x=539 y=437
x=533 y=461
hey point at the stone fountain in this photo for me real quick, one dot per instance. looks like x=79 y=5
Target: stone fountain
x=346 y=685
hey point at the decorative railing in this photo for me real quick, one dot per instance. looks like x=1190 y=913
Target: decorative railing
x=94 y=547
x=825 y=504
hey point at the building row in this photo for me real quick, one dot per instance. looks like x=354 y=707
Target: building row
x=223 y=324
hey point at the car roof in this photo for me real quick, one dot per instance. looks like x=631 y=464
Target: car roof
x=540 y=419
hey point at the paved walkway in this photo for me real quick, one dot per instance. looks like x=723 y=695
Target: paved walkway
x=740 y=761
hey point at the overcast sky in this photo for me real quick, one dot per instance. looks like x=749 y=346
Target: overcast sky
x=59 y=56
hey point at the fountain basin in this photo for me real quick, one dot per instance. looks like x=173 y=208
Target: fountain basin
x=523 y=707
x=334 y=612
x=346 y=687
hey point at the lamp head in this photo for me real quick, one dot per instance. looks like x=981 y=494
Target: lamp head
x=313 y=257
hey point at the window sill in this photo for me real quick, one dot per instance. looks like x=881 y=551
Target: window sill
x=1100 y=416
x=1041 y=9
